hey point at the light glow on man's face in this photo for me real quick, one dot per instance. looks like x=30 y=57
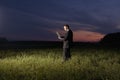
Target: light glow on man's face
x=65 y=28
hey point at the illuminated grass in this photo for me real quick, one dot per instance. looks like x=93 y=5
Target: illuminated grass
x=47 y=64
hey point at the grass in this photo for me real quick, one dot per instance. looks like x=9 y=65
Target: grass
x=46 y=64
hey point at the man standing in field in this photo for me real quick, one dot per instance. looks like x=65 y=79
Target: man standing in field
x=67 y=41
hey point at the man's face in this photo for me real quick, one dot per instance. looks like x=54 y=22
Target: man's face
x=65 y=28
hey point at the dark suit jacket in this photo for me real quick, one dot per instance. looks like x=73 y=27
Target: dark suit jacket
x=67 y=39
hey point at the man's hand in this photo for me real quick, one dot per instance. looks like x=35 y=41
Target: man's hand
x=57 y=34
x=59 y=37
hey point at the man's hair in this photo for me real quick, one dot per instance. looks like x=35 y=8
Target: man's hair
x=66 y=25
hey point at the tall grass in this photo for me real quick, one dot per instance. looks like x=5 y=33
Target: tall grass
x=46 y=64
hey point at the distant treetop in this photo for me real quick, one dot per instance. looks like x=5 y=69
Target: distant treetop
x=112 y=38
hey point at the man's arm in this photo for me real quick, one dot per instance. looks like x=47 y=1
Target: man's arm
x=59 y=36
x=66 y=36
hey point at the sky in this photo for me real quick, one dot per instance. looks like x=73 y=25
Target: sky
x=90 y=20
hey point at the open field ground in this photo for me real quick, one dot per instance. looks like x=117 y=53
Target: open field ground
x=46 y=64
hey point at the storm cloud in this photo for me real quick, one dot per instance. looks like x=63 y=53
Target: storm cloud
x=35 y=19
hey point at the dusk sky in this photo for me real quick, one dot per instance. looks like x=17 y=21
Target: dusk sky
x=90 y=20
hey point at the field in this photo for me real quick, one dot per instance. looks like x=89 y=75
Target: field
x=46 y=64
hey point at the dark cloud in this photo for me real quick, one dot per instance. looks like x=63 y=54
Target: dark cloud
x=31 y=19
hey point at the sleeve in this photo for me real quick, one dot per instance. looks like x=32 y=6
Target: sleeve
x=65 y=37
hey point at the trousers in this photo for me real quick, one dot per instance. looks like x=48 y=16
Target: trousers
x=66 y=54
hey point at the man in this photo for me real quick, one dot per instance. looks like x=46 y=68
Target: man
x=67 y=41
